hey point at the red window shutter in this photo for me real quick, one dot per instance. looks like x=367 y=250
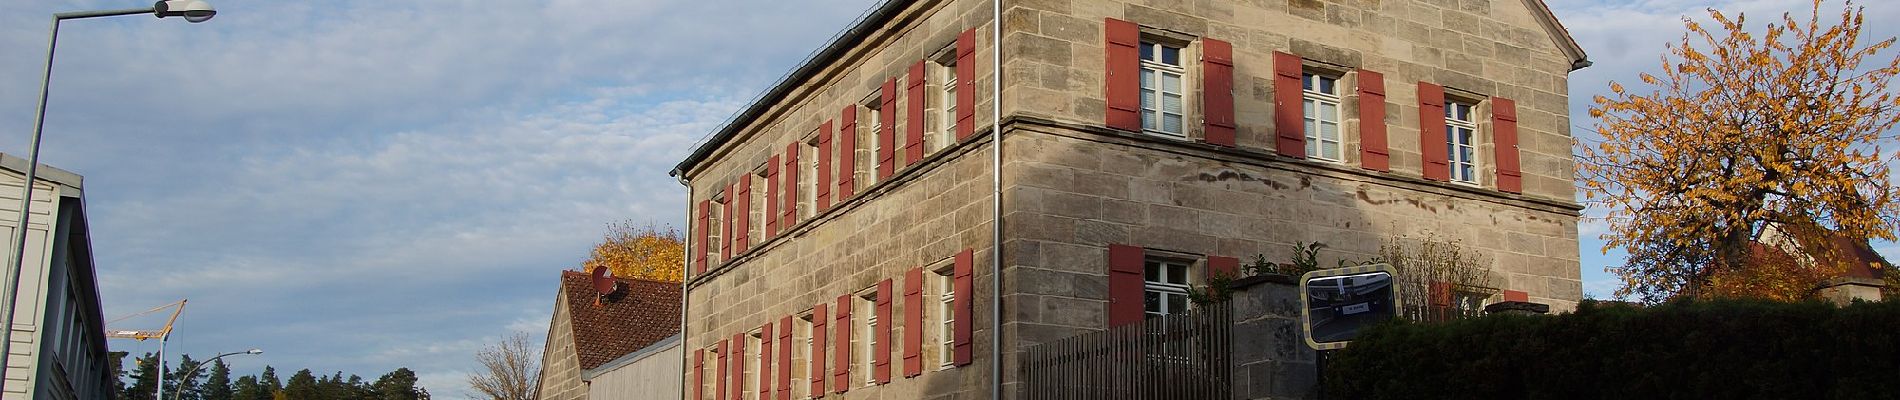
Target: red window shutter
x=881 y=352
x=841 y=345
x=699 y=374
x=914 y=322
x=704 y=235
x=847 y=153
x=1122 y=74
x=1125 y=285
x=966 y=84
x=887 y=133
x=771 y=198
x=790 y=177
x=914 y=114
x=719 y=381
x=823 y=195
x=1504 y=140
x=725 y=218
x=765 y=360
x=784 y=358
x=1218 y=266
x=1374 y=153
x=738 y=366
x=1217 y=104
x=1431 y=132
x=1439 y=294
x=962 y=303
x=1288 y=122
x=745 y=214
x=816 y=370
x=1515 y=295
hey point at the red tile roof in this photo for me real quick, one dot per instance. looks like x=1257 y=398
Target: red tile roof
x=639 y=313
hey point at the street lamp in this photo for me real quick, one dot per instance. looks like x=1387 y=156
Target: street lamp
x=192 y=11
x=194 y=369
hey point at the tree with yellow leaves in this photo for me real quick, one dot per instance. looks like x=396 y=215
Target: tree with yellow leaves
x=640 y=251
x=1743 y=130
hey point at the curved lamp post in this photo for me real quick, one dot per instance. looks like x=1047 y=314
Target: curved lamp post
x=192 y=11
x=194 y=369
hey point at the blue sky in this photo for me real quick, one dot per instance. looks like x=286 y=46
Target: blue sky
x=361 y=185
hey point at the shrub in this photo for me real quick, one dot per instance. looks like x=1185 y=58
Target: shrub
x=1726 y=349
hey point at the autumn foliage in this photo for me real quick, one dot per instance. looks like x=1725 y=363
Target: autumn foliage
x=1743 y=130
x=640 y=251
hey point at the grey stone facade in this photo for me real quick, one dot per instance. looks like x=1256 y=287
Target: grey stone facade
x=1070 y=186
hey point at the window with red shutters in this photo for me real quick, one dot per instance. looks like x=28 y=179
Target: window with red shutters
x=1122 y=71
x=789 y=176
x=1125 y=284
x=822 y=198
x=719 y=381
x=703 y=232
x=1374 y=153
x=744 y=224
x=847 y=154
x=766 y=352
x=914 y=114
x=699 y=374
x=1504 y=142
x=726 y=218
x=965 y=347
x=887 y=130
x=1217 y=91
x=772 y=197
x=1431 y=136
x=914 y=322
x=820 y=334
x=841 y=344
x=784 y=365
x=881 y=339
x=966 y=84
x=1289 y=130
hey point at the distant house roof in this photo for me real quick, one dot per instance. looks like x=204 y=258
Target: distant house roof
x=1855 y=258
x=639 y=313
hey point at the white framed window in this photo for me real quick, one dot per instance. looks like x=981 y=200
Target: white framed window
x=1461 y=142
x=1321 y=115
x=868 y=144
x=1165 y=286
x=808 y=178
x=756 y=230
x=801 y=356
x=945 y=285
x=946 y=132
x=866 y=341
x=1162 y=102
x=715 y=227
x=753 y=349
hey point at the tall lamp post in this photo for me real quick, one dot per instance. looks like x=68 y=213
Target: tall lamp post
x=192 y=11
x=187 y=377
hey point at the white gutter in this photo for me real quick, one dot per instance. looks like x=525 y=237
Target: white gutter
x=996 y=198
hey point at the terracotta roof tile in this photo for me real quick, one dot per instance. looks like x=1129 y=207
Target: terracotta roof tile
x=638 y=314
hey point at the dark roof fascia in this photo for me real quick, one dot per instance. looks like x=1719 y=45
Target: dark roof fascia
x=838 y=46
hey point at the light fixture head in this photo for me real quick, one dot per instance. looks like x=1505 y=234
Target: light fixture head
x=254 y=351
x=194 y=11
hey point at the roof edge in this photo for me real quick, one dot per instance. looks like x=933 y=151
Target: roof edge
x=636 y=355
x=1578 y=59
x=812 y=64
x=50 y=173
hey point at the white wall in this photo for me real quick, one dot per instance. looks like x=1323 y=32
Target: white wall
x=654 y=374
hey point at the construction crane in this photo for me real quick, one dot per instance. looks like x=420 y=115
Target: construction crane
x=161 y=333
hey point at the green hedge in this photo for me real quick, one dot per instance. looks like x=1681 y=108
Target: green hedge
x=1687 y=350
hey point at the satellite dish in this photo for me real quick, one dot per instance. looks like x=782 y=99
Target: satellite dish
x=603 y=281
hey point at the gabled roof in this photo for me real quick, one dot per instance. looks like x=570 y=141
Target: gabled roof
x=639 y=313
x=1578 y=60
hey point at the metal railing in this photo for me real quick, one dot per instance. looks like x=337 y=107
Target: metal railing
x=1164 y=357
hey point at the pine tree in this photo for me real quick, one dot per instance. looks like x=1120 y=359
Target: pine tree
x=217 y=384
x=186 y=387
x=399 y=385
x=247 y=388
x=144 y=379
x=115 y=363
x=302 y=386
x=272 y=386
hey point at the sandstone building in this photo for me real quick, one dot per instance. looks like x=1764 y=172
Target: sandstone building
x=848 y=228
